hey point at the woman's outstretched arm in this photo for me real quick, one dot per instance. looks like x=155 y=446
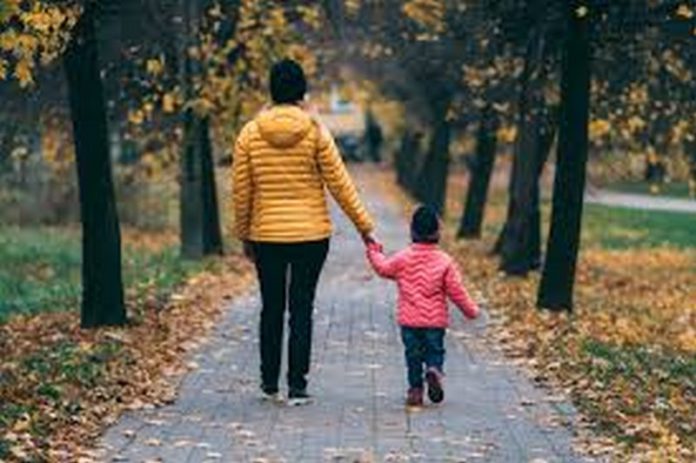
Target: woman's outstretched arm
x=339 y=183
x=242 y=187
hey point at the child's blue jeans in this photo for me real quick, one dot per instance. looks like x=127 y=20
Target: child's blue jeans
x=423 y=346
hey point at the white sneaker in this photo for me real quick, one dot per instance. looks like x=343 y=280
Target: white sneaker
x=273 y=397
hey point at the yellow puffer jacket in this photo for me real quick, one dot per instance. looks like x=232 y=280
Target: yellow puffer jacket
x=283 y=160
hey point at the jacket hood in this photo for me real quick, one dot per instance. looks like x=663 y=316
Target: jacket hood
x=284 y=126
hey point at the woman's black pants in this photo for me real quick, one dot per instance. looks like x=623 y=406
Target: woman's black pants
x=288 y=274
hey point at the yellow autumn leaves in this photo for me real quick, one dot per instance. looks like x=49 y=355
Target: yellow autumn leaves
x=684 y=11
x=38 y=34
x=229 y=79
x=428 y=13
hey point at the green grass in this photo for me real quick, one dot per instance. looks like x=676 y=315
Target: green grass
x=40 y=270
x=672 y=189
x=621 y=228
x=612 y=227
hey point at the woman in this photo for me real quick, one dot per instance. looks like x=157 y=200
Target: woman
x=284 y=159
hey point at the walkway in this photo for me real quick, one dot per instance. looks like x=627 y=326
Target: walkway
x=638 y=201
x=491 y=412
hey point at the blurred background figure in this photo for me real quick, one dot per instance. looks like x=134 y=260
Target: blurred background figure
x=346 y=121
x=373 y=138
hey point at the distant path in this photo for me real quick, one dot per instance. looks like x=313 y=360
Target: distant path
x=491 y=411
x=639 y=201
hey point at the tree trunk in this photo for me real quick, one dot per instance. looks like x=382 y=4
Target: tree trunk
x=400 y=159
x=690 y=149
x=199 y=219
x=547 y=136
x=7 y=140
x=558 y=276
x=519 y=242
x=405 y=160
x=335 y=12
x=480 y=175
x=212 y=235
x=102 y=286
x=191 y=190
x=432 y=179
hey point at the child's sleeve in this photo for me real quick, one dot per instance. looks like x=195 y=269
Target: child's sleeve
x=458 y=293
x=385 y=267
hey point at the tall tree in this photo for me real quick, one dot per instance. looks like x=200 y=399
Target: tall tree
x=432 y=178
x=406 y=157
x=519 y=243
x=212 y=234
x=480 y=174
x=558 y=276
x=199 y=216
x=102 y=286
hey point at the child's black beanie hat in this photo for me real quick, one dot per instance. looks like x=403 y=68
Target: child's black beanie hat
x=425 y=224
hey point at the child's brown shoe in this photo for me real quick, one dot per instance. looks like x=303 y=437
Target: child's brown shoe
x=434 y=379
x=414 y=397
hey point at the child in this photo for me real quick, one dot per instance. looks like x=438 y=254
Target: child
x=425 y=276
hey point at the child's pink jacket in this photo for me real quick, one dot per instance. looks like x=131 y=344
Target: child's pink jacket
x=426 y=277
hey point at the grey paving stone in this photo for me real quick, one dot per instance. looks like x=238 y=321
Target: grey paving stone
x=359 y=379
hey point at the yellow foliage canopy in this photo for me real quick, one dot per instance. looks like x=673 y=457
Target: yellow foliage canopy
x=37 y=34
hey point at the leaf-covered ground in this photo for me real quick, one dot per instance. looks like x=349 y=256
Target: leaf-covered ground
x=627 y=354
x=59 y=385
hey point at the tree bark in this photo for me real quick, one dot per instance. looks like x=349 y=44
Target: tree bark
x=558 y=276
x=690 y=149
x=480 y=175
x=431 y=185
x=191 y=188
x=102 y=286
x=199 y=218
x=521 y=244
x=400 y=159
x=212 y=235
x=7 y=140
x=405 y=160
x=547 y=136
x=519 y=241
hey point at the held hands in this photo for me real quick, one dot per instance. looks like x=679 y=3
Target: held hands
x=367 y=238
x=249 y=251
x=371 y=242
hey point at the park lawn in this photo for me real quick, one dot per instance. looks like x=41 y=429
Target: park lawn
x=671 y=189
x=41 y=268
x=623 y=228
x=60 y=385
x=626 y=356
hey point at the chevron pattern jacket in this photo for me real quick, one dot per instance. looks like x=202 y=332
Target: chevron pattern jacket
x=426 y=277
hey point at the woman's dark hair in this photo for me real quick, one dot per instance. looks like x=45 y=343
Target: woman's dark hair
x=288 y=83
x=425 y=225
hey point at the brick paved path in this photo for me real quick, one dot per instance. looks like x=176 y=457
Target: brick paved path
x=491 y=413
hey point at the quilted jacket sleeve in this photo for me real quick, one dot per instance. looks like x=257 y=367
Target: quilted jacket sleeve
x=338 y=181
x=386 y=267
x=458 y=293
x=242 y=187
